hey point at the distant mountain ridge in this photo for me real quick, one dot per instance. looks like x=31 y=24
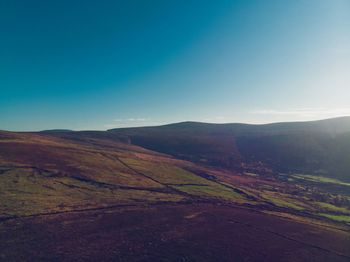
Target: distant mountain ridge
x=333 y=126
x=319 y=147
x=56 y=130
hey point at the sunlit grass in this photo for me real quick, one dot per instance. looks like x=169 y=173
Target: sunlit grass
x=213 y=191
x=282 y=200
x=340 y=218
x=23 y=192
x=165 y=173
x=332 y=208
x=321 y=179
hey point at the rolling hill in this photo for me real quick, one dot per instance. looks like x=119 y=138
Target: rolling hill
x=180 y=192
x=316 y=147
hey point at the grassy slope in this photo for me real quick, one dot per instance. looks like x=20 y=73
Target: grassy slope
x=42 y=173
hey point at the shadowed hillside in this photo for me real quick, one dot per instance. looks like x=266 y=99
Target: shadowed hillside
x=317 y=147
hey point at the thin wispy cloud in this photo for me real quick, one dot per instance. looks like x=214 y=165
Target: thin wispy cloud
x=214 y=119
x=131 y=119
x=131 y=122
x=305 y=112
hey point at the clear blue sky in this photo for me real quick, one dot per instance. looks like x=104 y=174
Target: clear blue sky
x=103 y=64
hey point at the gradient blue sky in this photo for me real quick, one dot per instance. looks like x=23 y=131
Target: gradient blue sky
x=104 y=64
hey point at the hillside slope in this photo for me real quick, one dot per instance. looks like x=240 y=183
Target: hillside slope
x=316 y=147
x=43 y=173
x=92 y=195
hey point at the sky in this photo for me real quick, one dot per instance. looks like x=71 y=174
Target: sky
x=105 y=64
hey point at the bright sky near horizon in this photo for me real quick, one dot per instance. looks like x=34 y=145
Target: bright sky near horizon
x=105 y=64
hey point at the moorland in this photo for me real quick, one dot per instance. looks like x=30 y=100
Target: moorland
x=180 y=192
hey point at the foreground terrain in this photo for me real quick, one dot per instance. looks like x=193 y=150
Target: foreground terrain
x=171 y=232
x=101 y=196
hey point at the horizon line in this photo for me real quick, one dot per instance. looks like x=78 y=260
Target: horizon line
x=173 y=123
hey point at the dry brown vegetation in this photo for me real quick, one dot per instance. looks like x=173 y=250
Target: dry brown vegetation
x=46 y=178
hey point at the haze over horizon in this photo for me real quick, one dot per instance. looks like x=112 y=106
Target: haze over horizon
x=111 y=64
